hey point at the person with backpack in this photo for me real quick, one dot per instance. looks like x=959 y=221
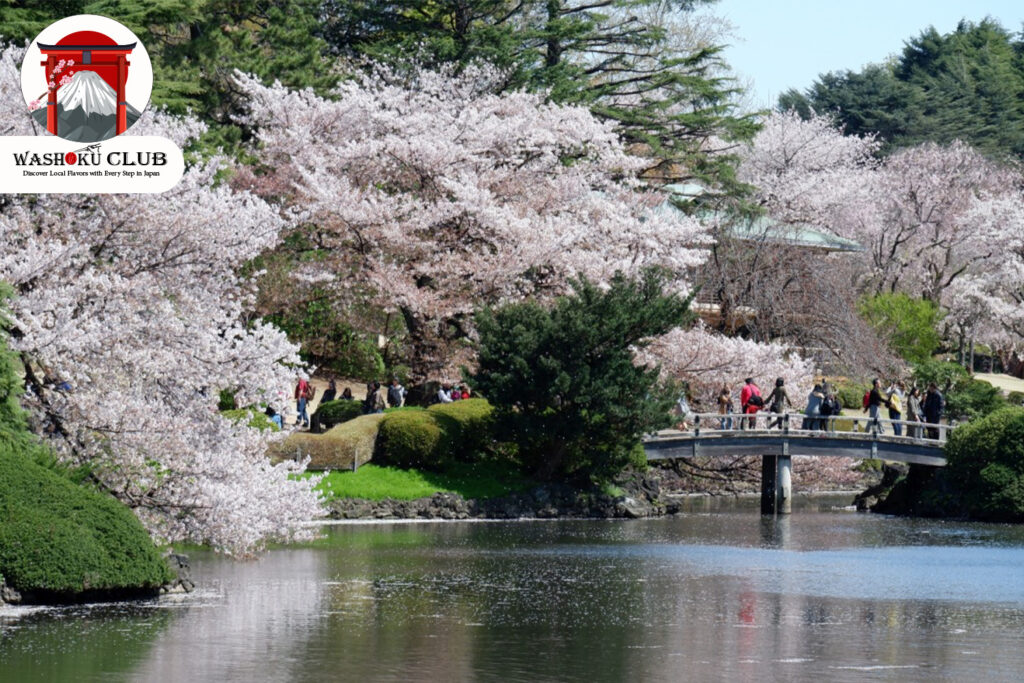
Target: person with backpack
x=749 y=392
x=396 y=393
x=813 y=409
x=830 y=408
x=895 y=392
x=777 y=401
x=304 y=393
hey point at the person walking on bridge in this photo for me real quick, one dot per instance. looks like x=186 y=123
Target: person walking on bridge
x=777 y=402
x=914 y=412
x=876 y=399
x=725 y=408
x=813 y=409
x=933 y=405
x=895 y=392
x=748 y=392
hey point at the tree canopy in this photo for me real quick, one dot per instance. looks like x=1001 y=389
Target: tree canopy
x=563 y=379
x=967 y=84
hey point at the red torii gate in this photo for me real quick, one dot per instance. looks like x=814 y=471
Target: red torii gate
x=91 y=51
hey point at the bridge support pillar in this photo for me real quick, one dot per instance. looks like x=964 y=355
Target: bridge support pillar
x=776 y=484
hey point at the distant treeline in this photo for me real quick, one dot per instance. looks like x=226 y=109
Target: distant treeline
x=967 y=84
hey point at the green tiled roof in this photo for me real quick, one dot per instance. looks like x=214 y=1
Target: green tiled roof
x=766 y=228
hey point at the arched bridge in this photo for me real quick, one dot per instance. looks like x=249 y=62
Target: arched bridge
x=778 y=437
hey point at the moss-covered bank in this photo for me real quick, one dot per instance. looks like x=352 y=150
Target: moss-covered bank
x=61 y=542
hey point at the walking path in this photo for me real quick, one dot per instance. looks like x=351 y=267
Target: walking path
x=1007 y=383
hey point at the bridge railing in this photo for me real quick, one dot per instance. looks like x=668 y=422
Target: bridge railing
x=798 y=423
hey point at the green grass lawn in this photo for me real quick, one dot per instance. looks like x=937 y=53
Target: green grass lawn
x=475 y=480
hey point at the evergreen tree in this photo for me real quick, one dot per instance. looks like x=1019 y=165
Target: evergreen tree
x=967 y=84
x=196 y=45
x=563 y=380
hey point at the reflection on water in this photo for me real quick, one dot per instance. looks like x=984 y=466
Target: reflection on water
x=718 y=593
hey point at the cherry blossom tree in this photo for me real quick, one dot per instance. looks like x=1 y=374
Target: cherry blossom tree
x=439 y=197
x=938 y=222
x=707 y=361
x=805 y=171
x=130 y=315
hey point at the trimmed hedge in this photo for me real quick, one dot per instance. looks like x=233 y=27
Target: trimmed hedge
x=336 y=412
x=445 y=432
x=412 y=439
x=63 y=542
x=403 y=437
x=468 y=424
x=335 y=449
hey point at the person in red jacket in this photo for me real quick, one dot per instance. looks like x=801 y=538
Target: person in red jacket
x=749 y=391
x=303 y=393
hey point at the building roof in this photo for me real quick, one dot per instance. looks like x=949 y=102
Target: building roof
x=765 y=227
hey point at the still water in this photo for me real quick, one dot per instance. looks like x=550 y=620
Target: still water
x=717 y=593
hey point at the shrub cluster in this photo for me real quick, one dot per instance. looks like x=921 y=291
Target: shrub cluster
x=59 y=540
x=986 y=459
x=432 y=438
x=334 y=413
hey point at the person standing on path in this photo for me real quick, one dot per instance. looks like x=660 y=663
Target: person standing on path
x=303 y=394
x=396 y=393
x=330 y=393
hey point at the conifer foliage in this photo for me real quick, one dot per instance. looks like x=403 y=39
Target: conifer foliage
x=564 y=381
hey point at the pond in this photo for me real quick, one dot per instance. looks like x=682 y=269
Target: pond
x=716 y=593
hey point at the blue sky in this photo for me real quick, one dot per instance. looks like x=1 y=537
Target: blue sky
x=781 y=44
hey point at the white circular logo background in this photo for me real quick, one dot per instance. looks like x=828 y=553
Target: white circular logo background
x=84 y=101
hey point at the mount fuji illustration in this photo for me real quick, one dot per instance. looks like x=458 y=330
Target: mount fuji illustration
x=86 y=109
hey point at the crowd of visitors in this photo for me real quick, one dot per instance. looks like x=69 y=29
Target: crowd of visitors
x=823 y=405
x=378 y=397
x=448 y=393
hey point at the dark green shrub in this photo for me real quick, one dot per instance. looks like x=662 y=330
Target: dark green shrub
x=563 y=380
x=335 y=412
x=947 y=376
x=1016 y=398
x=226 y=400
x=638 y=458
x=986 y=460
x=59 y=539
x=973 y=399
x=468 y=426
x=256 y=419
x=410 y=438
x=851 y=396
